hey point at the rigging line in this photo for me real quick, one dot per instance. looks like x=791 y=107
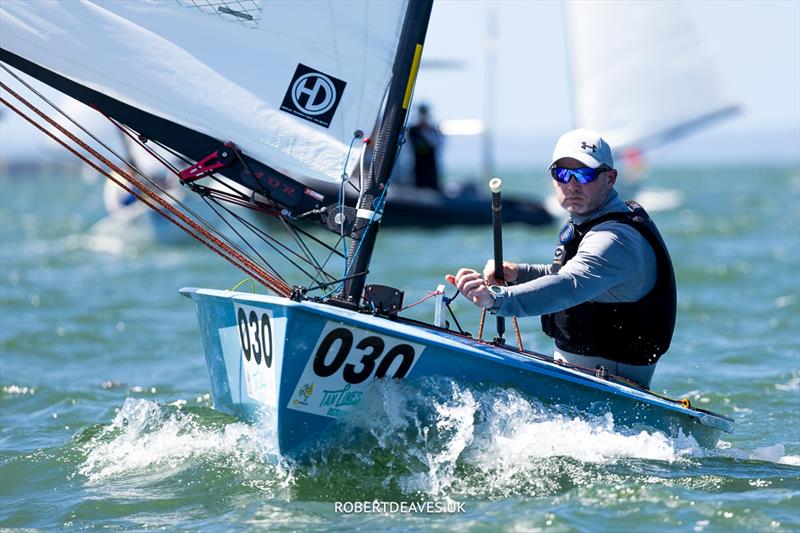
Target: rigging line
x=137 y=140
x=228 y=198
x=341 y=200
x=323 y=285
x=208 y=200
x=317 y=239
x=289 y=228
x=169 y=166
x=452 y=314
x=447 y=302
x=90 y=134
x=268 y=239
x=207 y=238
x=171 y=151
x=310 y=257
x=431 y=294
x=256 y=205
x=227 y=185
x=361 y=166
x=353 y=186
x=333 y=250
x=220 y=196
x=376 y=207
x=250 y=226
x=75 y=123
x=125 y=160
x=185 y=207
x=205 y=192
x=124 y=186
x=345 y=179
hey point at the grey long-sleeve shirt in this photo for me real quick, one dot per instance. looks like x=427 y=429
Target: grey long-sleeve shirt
x=614 y=263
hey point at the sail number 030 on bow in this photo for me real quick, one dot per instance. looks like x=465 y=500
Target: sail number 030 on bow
x=255 y=334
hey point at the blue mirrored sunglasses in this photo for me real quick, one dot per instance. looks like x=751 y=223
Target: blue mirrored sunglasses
x=582 y=175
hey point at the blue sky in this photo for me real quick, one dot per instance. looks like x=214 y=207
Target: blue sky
x=755 y=44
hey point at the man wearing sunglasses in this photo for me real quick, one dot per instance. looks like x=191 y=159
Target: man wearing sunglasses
x=608 y=299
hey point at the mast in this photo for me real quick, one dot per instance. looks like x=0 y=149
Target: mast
x=406 y=65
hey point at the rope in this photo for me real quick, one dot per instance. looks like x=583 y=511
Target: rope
x=149 y=198
x=480 y=326
x=516 y=332
x=245 y=280
x=431 y=294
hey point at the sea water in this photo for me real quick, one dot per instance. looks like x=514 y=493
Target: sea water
x=106 y=419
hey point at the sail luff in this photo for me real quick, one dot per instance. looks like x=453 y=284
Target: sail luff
x=409 y=52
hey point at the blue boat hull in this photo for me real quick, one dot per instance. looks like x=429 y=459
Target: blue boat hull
x=311 y=363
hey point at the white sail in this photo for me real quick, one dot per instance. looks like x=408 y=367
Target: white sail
x=640 y=73
x=288 y=83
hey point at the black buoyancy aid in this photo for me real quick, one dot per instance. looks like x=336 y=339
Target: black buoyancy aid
x=634 y=333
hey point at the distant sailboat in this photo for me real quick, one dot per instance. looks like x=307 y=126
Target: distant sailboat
x=641 y=76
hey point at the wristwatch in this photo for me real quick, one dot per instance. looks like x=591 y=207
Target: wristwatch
x=497 y=292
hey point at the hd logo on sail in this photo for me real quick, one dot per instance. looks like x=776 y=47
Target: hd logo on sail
x=313 y=95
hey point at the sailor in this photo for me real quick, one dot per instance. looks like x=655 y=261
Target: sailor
x=426 y=139
x=608 y=298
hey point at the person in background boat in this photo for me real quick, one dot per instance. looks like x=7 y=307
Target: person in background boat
x=608 y=299
x=426 y=139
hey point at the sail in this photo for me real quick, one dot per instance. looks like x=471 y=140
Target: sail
x=640 y=72
x=288 y=86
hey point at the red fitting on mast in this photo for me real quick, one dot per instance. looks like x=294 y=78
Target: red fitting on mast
x=209 y=164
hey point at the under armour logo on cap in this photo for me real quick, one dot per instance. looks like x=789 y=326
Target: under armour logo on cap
x=585 y=146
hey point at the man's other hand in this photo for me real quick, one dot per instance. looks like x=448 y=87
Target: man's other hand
x=470 y=283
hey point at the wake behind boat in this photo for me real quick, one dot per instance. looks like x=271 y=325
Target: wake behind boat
x=291 y=131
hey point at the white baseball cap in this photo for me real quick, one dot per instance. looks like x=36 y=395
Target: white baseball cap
x=586 y=146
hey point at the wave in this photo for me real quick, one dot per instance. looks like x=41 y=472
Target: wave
x=434 y=438
x=146 y=437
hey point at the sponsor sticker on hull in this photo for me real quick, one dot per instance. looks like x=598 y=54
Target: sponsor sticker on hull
x=344 y=361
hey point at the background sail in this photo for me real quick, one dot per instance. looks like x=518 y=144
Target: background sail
x=640 y=73
x=226 y=68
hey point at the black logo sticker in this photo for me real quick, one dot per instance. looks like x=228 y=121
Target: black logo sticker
x=313 y=95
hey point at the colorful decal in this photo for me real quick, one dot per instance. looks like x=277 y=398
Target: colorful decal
x=566 y=233
x=304 y=394
x=343 y=363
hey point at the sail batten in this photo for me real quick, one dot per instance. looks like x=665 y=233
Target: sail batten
x=289 y=91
